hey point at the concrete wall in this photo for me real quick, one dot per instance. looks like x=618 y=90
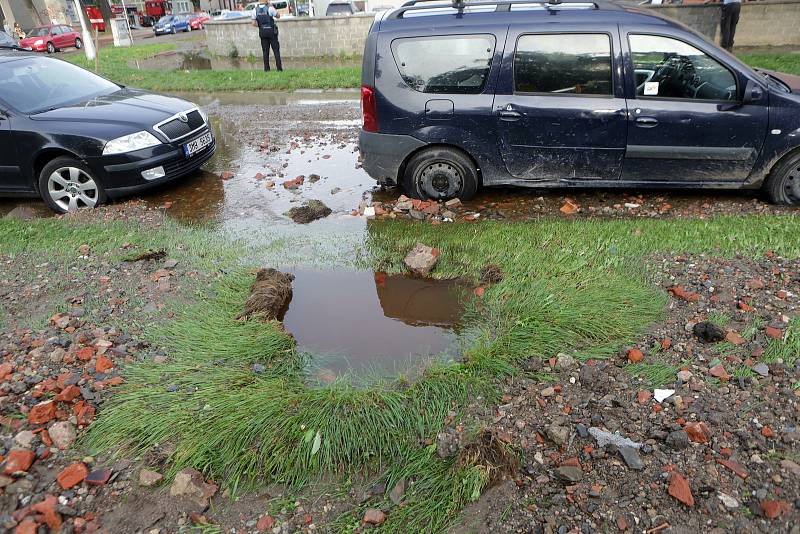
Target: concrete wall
x=300 y=37
x=763 y=23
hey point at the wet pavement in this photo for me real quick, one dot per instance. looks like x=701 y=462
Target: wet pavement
x=374 y=324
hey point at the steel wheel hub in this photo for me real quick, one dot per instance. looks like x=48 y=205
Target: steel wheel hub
x=71 y=188
x=791 y=185
x=440 y=180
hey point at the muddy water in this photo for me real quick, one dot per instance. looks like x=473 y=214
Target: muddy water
x=365 y=323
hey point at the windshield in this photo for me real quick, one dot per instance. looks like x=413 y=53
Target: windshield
x=36 y=84
x=165 y=20
x=5 y=40
x=38 y=32
x=339 y=9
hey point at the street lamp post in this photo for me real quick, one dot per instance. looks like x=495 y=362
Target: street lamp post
x=88 y=44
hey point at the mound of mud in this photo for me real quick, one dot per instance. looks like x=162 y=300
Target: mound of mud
x=269 y=296
x=310 y=211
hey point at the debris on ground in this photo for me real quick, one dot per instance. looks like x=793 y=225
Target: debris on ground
x=147 y=255
x=308 y=212
x=269 y=297
x=491 y=273
x=421 y=259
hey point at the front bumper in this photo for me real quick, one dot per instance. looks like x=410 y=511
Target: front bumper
x=123 y=173
x=382 y=155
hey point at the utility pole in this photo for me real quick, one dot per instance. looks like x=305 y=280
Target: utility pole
x=88 y=43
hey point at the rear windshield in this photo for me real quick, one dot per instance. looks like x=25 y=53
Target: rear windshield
x=38 y=83
x=453 y=64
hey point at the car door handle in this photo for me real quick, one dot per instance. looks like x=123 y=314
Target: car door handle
x=510 y=115
x=646 y=122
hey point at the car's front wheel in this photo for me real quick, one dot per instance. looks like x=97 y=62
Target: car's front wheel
x=51 y=49
x=440 y=173
x=782 y=186
x=78 y=44
x=66 y=184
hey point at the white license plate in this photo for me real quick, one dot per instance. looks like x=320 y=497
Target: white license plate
x=196 y=145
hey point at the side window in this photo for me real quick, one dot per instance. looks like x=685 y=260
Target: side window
x=669 y=68
x=456 y=64
x=563 y=64
x=55 y=30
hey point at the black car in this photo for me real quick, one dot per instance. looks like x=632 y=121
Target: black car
x=568 y=94
x=75 y=138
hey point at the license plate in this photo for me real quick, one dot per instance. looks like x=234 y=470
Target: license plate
x=196 y=145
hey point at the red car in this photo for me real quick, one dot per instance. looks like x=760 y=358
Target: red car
x=197 y=21
x=51 y=38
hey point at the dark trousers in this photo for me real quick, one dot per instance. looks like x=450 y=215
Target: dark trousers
x=271 y=41
x=728 y=22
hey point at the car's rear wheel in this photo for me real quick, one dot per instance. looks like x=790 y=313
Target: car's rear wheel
x=78 y=44
x=66 y=184
x=782 y=186
x=440 y=174
x=51 y=49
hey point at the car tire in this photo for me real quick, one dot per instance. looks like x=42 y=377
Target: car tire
x=440 y=173
x=66 y=184
x=78 y=44
x=51 y=49
x=782 y=186
x=174 y=31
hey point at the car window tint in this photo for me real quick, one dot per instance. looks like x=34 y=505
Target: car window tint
x=38 y=32
x=563 y=64
x=451 y=64
x=669 y=68
x=55 y=30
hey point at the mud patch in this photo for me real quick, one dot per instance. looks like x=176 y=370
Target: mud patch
x=269 y=296
x=363 y=323
x=310 y=211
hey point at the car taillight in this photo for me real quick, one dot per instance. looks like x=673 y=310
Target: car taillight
x=369 y=110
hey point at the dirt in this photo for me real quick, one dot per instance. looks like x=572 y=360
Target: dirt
x=269 y=297
x=730 y=428
x=310 y=211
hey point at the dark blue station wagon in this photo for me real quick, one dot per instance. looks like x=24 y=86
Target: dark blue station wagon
x=569 y=94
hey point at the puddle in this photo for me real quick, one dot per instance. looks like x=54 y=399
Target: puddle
x=374 y=324
x=200 y=60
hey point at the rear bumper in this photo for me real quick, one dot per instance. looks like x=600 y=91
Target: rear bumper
x=382 y=155
x=126 y=178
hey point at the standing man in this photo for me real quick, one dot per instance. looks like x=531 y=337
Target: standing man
x=728 y=22
x=264 y=16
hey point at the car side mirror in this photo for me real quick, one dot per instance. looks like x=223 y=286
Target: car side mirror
x=753 y=92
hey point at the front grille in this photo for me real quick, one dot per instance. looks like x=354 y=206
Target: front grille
x=174 y=128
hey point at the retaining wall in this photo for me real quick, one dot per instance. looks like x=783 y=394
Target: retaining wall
x=300 y=37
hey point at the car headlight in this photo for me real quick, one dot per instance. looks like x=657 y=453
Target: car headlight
x=129 y=143
x=38 y=42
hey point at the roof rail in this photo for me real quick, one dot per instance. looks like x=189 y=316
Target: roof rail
x=500 y=5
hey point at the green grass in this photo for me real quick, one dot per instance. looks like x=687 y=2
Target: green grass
x=116 y=64
x=654 y=375
x=569 y=286
x=781 y=62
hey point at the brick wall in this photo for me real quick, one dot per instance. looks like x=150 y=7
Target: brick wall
x=300 y=37
x=763 y=23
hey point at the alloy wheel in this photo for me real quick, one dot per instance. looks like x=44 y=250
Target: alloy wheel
x=791 y=184
x=78 y=44
x=71 y=188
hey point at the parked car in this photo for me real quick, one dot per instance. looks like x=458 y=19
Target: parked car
x=171 y=24
x=232 y=15
x=339 y=8
x=573 y=94
x=196 y=21
x=50 y=39
x=6 y=41
x=76 y=139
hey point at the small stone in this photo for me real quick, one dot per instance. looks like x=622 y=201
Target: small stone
x=678 y=439
x=679 y=488
x=735 y=338
x=559 y=434
x=729 y=502
x=698 y=432
x=421 y=259
x=708 y=332
x=790 y=466
x=265 y=523
x=773 y=332
x=373 y=516
x=42 y=413
x=189 y=483
x=74 y=474
x=632 y=458
x=149 y=478
x=63 y=434
x=772 y=509
x=19 y=460
x=548 y=392
x=24 y=439
x=564 y=361
x=739 y=469
x=570 y=473
x=684 y=376
x=396 y=495
x=718 y=371
x=99 y=477
x=761 y=369
x=635 y=356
